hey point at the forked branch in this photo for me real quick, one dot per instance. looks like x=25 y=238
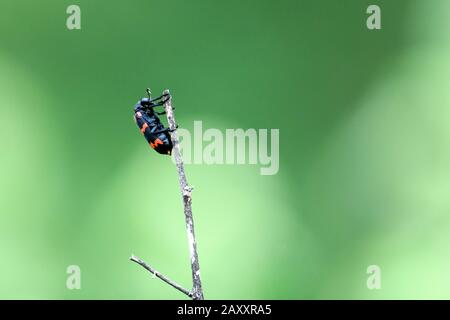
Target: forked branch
x=160 y=275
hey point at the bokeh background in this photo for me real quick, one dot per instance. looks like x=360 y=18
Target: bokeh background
x=364 y=125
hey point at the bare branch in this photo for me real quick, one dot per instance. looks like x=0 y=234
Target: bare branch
x=186 y=192
x=161 y=276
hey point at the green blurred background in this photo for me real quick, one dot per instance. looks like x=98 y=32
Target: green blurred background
x=364 y=125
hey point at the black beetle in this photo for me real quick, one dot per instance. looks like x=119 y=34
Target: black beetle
x=150 y=125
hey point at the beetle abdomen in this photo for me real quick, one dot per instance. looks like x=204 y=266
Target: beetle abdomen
x=154 y=132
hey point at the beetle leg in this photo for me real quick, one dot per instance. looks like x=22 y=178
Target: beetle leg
x=165 y=95
x=158 y=104
x=154 y=105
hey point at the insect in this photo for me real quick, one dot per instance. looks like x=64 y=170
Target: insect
x=150 y=125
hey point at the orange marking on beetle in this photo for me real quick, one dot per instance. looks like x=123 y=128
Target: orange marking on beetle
x=156 y=143
x=144 y=126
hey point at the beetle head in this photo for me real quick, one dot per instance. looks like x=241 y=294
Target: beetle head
x=145 y=102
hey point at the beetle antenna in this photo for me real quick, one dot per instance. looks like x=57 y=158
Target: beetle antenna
x=149 y=93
